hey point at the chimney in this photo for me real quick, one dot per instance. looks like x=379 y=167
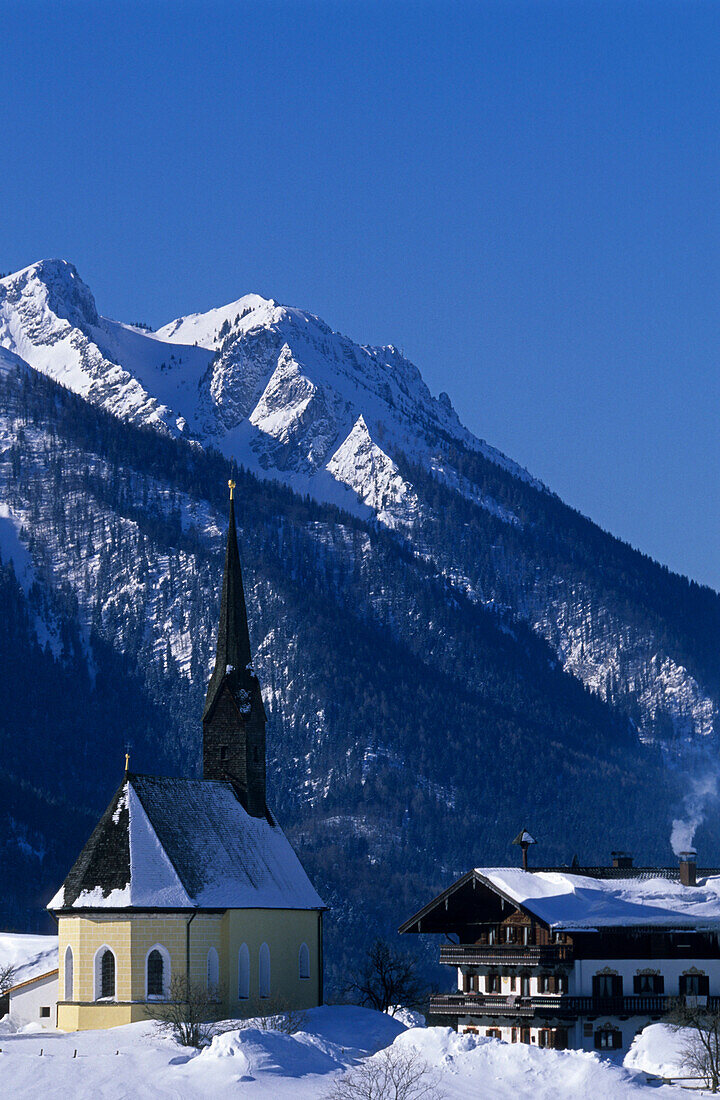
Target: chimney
x=621 y=859
x=524 y=840
x=688 y=868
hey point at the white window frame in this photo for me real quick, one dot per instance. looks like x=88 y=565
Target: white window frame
x=97 y=974
x=243 y=972
x=166 y=973
x=264 y=972
x=69 y=987
x=304 y=963
x=213 y=961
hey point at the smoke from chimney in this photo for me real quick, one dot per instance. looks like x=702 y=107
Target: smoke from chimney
x=703 y=790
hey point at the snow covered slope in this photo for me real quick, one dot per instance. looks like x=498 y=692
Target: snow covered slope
x=48 y=318
x=28 y=955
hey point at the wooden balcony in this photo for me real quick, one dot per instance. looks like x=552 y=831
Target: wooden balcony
x=553 y=1006
x=510 y=954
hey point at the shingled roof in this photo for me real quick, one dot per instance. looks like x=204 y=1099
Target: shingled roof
x=166 y=843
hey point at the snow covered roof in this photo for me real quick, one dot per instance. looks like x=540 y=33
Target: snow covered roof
x=167 y=843
x=576 y=901
x=28 y=954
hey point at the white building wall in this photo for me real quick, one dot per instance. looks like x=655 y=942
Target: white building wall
x=581 y=975
x=25 y=1003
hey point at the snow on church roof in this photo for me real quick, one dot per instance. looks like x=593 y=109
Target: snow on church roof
x=180 y=844
x=570 y=901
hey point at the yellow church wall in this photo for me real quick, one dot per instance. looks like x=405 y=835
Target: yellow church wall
x=132 y=936
x=146 y=932
x=85 y=935
x=206 y=931
x=283 y=930
x=85 y=1017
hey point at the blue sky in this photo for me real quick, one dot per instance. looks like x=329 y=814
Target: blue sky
x=523 y=196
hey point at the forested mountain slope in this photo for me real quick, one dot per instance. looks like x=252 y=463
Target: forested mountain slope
x=294 y=401
x=411 y=727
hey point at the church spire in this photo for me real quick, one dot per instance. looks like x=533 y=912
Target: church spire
x=233 y=640
x=234 y=716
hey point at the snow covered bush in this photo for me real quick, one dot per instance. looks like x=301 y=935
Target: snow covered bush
x=190 y=1013
x=393 y=1074
x=275 y=1014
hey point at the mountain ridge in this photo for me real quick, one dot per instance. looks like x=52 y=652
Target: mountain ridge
x=279 y=391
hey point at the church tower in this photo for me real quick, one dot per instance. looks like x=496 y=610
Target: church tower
x=234 y=716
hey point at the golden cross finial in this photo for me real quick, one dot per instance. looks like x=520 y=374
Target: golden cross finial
x=231 y=487
x=127 y=762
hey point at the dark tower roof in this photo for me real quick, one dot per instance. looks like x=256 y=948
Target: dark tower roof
x=233 y=657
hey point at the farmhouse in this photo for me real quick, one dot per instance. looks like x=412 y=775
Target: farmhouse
x=32 y=1001
x=571 y=956
x=193 y=878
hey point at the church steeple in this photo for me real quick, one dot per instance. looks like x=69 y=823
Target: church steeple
x=234 y=716
x=233 y=640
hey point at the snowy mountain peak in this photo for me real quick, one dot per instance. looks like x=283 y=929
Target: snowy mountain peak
x=209 y=330
x=57 y=285
x=271 y=385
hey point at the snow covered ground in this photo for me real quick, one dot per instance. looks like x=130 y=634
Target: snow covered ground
x=135 y=1062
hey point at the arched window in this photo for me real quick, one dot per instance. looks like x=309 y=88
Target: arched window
x=68 y=973
x=243 y=972
x=104 y=974
x=157 y=972
x=264 y=971
x=304 y=961
x=213 y=969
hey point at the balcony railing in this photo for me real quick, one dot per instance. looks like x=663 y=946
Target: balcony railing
x=501 y=954
x=478 y=1004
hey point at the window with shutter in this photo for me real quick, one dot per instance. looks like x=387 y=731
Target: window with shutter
x=648 y=983
x=607 y=985
x=694 y=985
x=608 y=1039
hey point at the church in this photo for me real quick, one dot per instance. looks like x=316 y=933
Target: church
x=193 y=879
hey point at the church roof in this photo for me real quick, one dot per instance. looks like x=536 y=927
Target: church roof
x=166 y=843
x=233 y=660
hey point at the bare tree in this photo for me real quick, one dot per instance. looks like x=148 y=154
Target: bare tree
x=388 y=980
x=274 y=1014
x=189 y=1014
x=7 y=977
x=701 y=1047
x=393 y=1074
